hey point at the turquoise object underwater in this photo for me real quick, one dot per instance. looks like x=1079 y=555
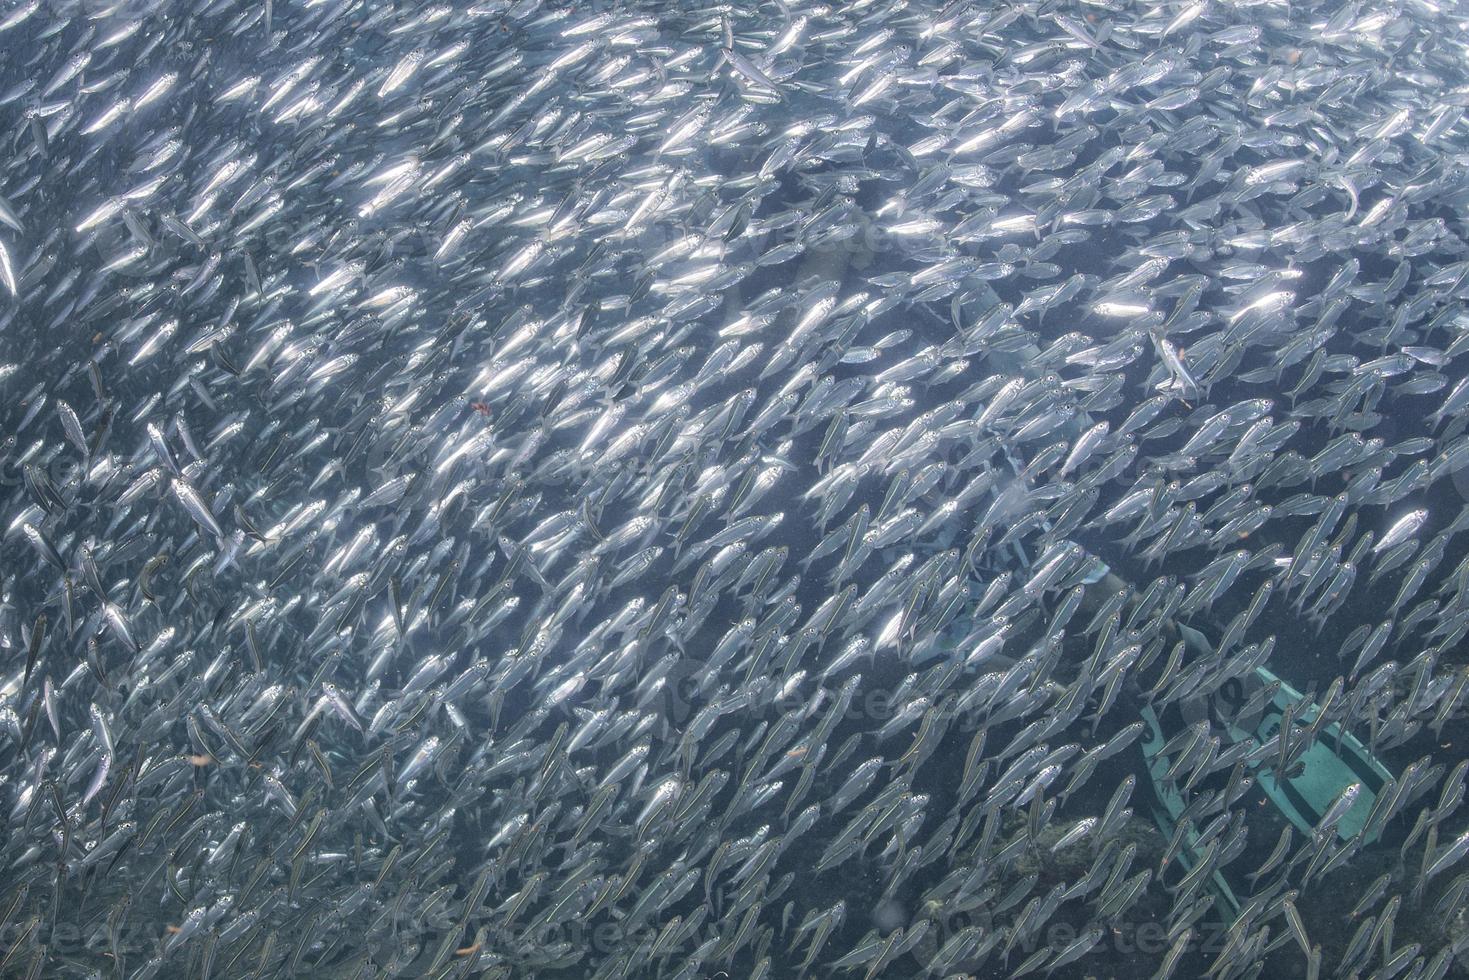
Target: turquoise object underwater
x=1328 y=766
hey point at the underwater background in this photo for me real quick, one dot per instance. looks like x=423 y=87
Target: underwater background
x=877 y=489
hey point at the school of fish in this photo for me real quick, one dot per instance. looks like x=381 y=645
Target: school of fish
x=658 y=489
